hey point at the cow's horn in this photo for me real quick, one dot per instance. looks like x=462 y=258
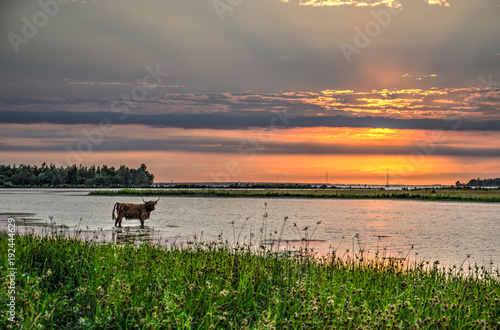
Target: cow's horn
x=143 y=199
x=158 y=199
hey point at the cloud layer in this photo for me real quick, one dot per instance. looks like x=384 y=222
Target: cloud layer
x=243 y=120
x=250 y=142
x=264 y=76
x=475 y=107
x=359 y=3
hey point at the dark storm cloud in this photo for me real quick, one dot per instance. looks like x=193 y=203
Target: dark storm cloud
x=208 y=144
x=23 y=101
x=240 y=120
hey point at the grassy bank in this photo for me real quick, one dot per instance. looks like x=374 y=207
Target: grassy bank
x=463 y=195
x=66 y=283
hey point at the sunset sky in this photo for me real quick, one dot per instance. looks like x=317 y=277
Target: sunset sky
x=255 y=90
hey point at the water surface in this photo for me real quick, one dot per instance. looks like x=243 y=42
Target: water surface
x=444 y=231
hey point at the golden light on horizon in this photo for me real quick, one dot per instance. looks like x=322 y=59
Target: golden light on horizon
x=349 y=135
x=350 y=155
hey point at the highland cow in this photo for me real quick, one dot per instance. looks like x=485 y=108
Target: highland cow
x=133 y=211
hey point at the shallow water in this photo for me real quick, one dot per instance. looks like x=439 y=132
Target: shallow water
x=444 y=231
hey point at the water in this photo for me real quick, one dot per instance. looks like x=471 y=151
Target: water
x=444 y=231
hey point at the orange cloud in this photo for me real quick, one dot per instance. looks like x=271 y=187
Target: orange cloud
x=360 y=3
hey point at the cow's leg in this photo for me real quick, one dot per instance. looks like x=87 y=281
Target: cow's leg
x=119 y=221
x=143 y=216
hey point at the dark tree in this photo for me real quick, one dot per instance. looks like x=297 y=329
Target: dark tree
x=74 y=176
x=484 y=183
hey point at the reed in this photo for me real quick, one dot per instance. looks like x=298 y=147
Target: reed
x=66 y=283
x=457 y=195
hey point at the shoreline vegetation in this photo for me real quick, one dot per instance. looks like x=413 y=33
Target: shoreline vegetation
x=439 y=194
x=64 y=282
x=51 y=176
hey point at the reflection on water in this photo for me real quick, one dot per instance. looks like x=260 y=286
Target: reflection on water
x=132 y=235
x=414 y=230
x=26 y=223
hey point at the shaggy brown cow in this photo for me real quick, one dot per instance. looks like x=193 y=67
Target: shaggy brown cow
x=133 y=211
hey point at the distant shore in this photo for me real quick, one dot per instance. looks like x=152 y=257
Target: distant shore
x=459 y=195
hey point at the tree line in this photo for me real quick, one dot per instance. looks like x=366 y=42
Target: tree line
x=49 y=176
x=480 y=183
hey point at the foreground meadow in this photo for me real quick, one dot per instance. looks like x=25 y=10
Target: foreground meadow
x=65 y=283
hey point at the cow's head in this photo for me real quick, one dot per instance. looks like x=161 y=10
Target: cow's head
x=150 y=206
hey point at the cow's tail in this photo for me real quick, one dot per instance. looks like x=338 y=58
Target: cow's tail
x=113 y=213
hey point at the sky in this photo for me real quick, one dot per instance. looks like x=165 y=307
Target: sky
x=255 y=90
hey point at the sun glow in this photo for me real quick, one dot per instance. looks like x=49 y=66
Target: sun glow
x=349 y=155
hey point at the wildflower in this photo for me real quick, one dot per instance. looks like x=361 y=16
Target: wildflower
x=224 y=293
x=49 y=272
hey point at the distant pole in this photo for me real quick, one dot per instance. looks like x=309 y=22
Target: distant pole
x=387 y=182
x=326 y=176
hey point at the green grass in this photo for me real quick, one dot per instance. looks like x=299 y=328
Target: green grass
x=460 y=195
x=65 y=283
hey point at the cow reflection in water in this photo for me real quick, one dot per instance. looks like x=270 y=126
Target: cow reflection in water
x=132 y=235
x=133 y=211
